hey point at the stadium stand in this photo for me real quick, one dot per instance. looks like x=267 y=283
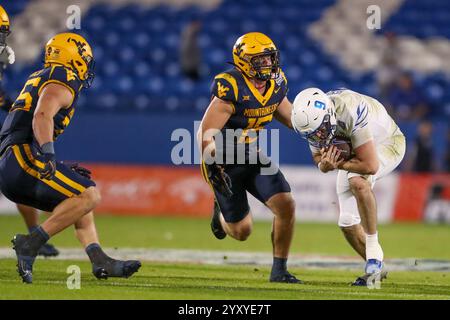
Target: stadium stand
x=136 y=46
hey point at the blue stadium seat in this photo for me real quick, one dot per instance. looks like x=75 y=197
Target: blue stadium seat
x=136 y=48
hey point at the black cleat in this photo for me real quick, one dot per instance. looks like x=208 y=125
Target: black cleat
x=362 y=281
x=216 y=226
x=285 y=278
x=48 y=250
x=25 y=258
x=116 y=269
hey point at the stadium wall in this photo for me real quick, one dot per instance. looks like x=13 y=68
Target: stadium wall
x=181 y=191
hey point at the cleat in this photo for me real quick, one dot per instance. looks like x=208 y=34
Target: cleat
x=216 y=226
x=374 y=266
x=362 y=281
x=130 y=267
x=48 y=250
x=116 y=269
x=25 y=258
x=100 y=273
x=285 y=278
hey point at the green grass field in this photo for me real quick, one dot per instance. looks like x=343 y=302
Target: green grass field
x=158 y=280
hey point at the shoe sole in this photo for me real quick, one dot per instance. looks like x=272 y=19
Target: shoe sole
x=45 y=255
x=294 y=282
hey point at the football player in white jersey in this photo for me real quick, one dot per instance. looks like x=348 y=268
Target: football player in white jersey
x=378 y=147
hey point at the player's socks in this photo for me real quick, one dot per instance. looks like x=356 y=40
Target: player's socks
x=374 y=254
x=31 y=229
x=373 y=248
x=104 y=266
x=96 y=254
x=37 y=239
x=47 y=249
x=28 y=245
x=279 y=272
x=279 y=266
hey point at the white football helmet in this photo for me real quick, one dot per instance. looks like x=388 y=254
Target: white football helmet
x=314 y=117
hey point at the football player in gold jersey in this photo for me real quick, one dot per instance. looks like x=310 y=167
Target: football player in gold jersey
x=30 y=215
x=244 y=100
x=29 y=172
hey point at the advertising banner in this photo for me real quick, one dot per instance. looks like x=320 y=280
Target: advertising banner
x=181 y=191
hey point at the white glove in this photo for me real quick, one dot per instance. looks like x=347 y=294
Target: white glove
x=7 y=55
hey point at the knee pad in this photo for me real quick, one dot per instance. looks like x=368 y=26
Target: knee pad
x=348 y=210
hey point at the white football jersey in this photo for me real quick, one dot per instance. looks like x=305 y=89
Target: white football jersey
x=362 y=118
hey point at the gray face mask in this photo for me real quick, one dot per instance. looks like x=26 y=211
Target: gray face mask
x=3 y=36
x=322 y=136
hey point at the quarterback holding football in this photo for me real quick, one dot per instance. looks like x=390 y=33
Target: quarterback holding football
x=377 y=147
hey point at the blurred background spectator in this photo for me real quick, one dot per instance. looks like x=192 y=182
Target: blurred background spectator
x=447 y=154
x=389 y=69
x=421 y=157
x=190 y=55
x=406 y=101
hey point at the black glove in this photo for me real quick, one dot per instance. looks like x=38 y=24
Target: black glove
x=219 y=179
x=49 y=170
x=81 y=171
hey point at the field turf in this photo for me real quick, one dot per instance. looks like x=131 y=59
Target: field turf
x=158 y=280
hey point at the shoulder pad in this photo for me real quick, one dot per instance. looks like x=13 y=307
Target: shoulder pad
x=225 y=87
x=64 y=76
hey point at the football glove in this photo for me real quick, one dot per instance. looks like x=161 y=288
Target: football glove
x=81 y=170
x=7 y=55
x=220 y=181
x=49 y=170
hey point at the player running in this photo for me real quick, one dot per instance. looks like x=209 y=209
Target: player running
x=30 y=215
x=244 y=100
x=29 y=172
x=378 y=148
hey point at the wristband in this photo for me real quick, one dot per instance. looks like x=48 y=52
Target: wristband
x=48 y=148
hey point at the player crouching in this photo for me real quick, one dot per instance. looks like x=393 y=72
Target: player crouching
x=378 y=148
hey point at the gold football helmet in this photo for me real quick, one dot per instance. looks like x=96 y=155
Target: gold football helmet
x=4 y=25
x=72 y=51
x=249 y=52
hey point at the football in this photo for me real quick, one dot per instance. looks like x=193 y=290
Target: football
x=345 y=146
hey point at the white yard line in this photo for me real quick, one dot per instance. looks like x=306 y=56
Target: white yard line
x=246 y=258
